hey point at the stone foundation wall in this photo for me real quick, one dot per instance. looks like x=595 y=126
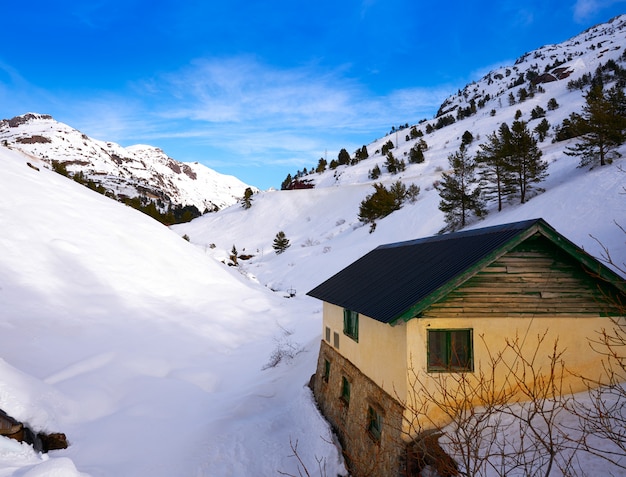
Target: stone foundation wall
x=366 y=454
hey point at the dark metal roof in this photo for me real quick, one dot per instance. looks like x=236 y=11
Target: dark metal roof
x=389 y=281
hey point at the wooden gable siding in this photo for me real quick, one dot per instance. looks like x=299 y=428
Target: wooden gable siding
x=534 y=279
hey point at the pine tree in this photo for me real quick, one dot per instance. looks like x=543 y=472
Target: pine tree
x=416 y=155
x=343 y=157
x=281 y=243
x=234 y=255
x=321 y=165
x=391 y=163
x=246 y=201
x=460 y=196
x=601 y=127
x=525 y=164
x=542 y=129
x=374 y=173
x=287 y=182
x=492 y=161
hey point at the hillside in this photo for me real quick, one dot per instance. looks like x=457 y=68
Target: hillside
x=321 y=220
x=140 y=171
x=155 y=358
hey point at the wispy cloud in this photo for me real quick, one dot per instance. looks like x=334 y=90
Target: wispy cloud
x=586 y=9
x=240 y=110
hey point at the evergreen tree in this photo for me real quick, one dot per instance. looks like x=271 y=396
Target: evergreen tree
x=492 y=161
x=552 y=104
x=460 y=196
x=286 y=183
x=537 y=112
x=416 y=155
x=246 y=201
x=383 y=201
x=281 y=243
x=391 y=163
x=361 y=153
x=511 y=99
x=542 y=129
x=343 y=158
x=374 y=173
x=467 y=138
x=387 y=147
x=526 y=164
x=234 y=255
x=601 y=127
x=321 y=165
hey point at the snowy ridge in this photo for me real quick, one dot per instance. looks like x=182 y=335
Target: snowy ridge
x=135 y=171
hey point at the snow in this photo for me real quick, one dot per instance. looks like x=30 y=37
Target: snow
x=153 y=355
x=140 y=347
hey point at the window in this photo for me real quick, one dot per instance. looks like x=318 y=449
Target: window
x=326 y=370
x=336 y=340
x=351 y=324
x=375 y=423
x=328 y=334
x=450 y=350
x=345 y=390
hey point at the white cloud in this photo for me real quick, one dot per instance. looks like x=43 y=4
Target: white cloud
x=585 y=9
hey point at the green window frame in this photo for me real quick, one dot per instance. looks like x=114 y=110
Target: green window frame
x=375 y=423
x=345 y=390
x=351 y=324
x=450 y=350
x=326 y=376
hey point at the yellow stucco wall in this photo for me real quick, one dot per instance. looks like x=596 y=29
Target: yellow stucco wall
x=380 y=352
x=391 y=355
x=569 y=335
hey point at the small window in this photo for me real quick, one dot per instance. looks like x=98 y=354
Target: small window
x=326 y=370
x=450 y=351
x=351 y=324
x=375 y=423
x=327 y=334
x=345 y=390
x=336 y=340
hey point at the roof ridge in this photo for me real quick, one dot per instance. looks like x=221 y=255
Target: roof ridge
x=521 y=225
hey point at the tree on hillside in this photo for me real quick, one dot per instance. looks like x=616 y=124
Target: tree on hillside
x=526 y=164
x=374 y=173
x=467 y=138
x=492 y=161
x=460 y=195
x=286 y=183
x=234 y=256
x=383 y=201
x=281 y=243
x=343 y=157
x=321 y=165
x=601 y=127
x=542 y=129
x=416 y=155
x=246 y=201
x=361 y=153
x=394 y=165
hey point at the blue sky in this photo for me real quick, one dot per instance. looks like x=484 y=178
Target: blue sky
x=262 y=89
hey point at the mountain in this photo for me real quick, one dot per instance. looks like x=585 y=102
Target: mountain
x=139 y=171
x=321 y=220
x=156 y=358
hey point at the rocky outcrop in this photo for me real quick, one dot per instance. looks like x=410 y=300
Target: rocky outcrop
x=43 y=442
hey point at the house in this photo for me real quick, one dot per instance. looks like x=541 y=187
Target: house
x=438 y=306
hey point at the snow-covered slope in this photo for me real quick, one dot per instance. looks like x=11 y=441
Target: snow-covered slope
x=144 y=350
x=323 y=220
x=135 y=171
